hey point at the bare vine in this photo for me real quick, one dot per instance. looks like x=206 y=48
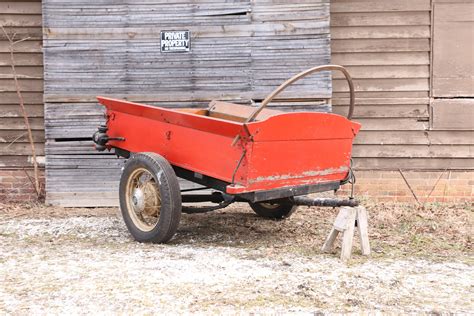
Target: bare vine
x=12 y=42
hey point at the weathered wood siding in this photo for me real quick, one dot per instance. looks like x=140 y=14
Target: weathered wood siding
x=386 y=46
x=396 y=50
x=453 y=48
x=241 y=50
x=453 y=65
x=24 y=19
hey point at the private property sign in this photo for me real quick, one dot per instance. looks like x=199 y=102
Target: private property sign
x=175 y=41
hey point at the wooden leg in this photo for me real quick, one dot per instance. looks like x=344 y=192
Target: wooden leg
x=329 y=243
x=345 y=224
x=340 y=224
x=362 y=227
x=348 y=235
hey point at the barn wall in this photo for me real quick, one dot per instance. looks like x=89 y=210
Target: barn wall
x=24 y=19
x=386 y=44
x=453 y=65
x=413 y=68
x=453 y=48
x=387 y=48
x=240 y=50
x=414 y=117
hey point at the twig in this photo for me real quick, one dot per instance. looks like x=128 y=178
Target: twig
x=14 y=141
x=23 y=109
x=432 y=189
x=409 y=186
x=21 y=40
x=31 y=181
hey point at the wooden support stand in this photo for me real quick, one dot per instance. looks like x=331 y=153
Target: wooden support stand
x=345 y=223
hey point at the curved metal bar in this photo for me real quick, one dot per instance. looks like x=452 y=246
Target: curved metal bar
x=301 y=75
x=297 y=77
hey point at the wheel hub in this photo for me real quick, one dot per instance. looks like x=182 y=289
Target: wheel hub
x=138 y=200
x=144 y=199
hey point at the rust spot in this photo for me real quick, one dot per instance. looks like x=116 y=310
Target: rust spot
x=311 y=173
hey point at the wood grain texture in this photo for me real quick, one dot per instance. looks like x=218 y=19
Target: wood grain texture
x=240 y=50
x=238 y=47
x=384 y=43
x=386 y=46
x=20 y=7
x=453 y=49
x=453 y=114
x=22 y=18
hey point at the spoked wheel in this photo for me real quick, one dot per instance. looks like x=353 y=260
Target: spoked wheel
x=150 y=198
x=276 y=209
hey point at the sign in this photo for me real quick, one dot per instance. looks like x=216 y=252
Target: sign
x=175 y=41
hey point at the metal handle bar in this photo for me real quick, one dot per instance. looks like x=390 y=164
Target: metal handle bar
x=297 y=77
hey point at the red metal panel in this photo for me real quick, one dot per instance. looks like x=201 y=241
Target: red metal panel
x=303 y=125
x=276 y=164
x=190 y=120
x=297 y=148
x=203 y=152
x=284 y=150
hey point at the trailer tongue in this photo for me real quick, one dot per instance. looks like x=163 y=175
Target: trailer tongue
x=261 y=156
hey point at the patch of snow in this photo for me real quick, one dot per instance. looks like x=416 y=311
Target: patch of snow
x=85 y=265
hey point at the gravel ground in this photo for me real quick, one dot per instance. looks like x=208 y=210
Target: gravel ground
x=86 y=263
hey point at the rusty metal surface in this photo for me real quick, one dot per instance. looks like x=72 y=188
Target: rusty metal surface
x=329 y=202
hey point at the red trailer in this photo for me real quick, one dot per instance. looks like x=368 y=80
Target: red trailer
x=265 y=157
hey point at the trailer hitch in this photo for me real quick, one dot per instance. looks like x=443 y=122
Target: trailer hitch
x=101 y=138
x=328 y=202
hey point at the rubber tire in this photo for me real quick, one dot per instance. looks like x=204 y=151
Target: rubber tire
x=284 y=209
x=170 y=212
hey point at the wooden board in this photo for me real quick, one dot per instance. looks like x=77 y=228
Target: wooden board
x=376 y=6
x=20 y=136
x=453 y=114
x=414 y=151
x=453 y=49
x=414 y=164
x=415 y=138
x=20 y=148
x=20 y=7
x=19 y=162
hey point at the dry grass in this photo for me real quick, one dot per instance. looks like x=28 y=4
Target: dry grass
x=434 y=230
x=40 y=210
x=395 y=230
x=80 y=261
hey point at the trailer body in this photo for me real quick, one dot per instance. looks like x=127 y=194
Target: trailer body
x=303 y=150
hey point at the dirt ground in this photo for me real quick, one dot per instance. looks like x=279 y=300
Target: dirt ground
x=55 y=260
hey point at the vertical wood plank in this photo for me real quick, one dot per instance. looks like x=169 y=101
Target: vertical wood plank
x=330 y=239
x=348 y=235
x=362 y=227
